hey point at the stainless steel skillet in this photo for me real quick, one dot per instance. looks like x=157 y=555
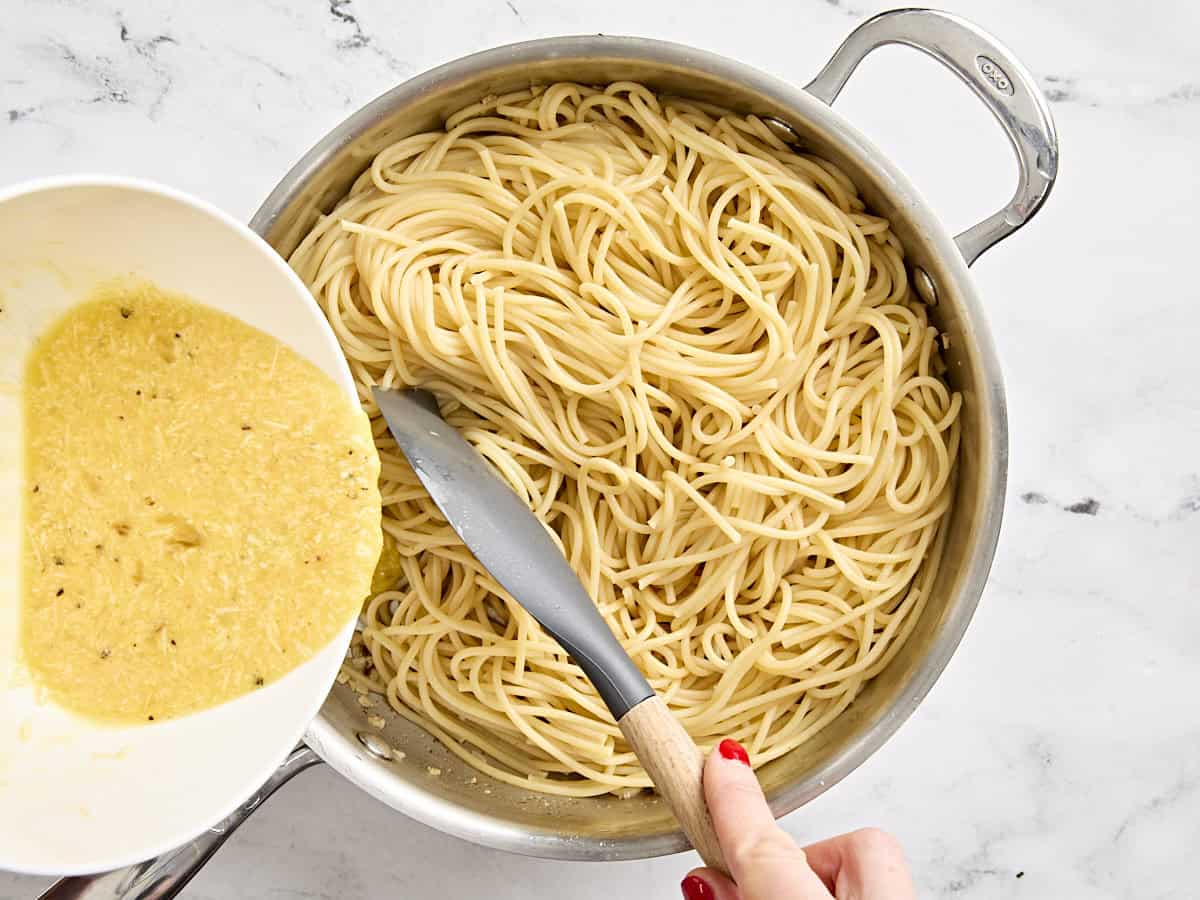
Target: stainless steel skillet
x=466 y=804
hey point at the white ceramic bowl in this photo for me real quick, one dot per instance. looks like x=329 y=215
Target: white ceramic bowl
x=75 y=796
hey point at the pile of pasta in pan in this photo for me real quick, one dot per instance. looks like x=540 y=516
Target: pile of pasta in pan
x=697 y=357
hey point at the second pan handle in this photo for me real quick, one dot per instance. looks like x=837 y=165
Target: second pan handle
x=165 y=876
x=1004 y=85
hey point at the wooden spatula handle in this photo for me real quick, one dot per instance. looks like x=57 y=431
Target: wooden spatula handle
x=676 y=766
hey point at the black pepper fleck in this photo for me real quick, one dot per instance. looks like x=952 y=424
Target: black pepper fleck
x=36 y=488
x=58 y=593
x=150 y=718
x=126 y=312
x=1020 y=874
x=258 y=682
x=246 y=428
x=172 y=642
x=1088 y=506
x=177 y=334
x=105 y=654
x=58 y=561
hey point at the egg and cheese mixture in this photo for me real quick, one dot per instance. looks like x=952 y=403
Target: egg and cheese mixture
x=201 y=510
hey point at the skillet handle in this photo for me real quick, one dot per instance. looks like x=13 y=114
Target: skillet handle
x=165 y=876
x=997 y=78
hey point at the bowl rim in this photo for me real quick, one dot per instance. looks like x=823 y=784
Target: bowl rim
x=342 y=751
x=286 y=741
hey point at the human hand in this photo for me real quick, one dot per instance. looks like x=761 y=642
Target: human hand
x=768 y=865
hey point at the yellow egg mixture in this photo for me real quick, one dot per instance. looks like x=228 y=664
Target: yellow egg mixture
x=201 y=511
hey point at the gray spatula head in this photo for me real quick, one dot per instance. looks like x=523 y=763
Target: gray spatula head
x=509 y=541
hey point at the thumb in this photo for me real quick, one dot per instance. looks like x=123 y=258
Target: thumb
x=763 y=859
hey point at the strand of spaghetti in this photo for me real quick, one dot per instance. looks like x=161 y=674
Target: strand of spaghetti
x=709 y=510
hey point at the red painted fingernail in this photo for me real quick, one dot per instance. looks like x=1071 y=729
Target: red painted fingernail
x=733 y=750
x=696 y=888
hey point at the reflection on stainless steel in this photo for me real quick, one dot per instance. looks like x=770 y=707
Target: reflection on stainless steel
x=375 y=745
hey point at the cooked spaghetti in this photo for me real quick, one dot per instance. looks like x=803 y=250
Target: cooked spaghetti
x=698 y=358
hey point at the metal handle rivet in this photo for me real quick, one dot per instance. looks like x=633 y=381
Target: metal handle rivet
x=925 y=286
x=375 y=745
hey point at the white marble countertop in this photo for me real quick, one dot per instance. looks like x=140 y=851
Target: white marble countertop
x=1059 y=755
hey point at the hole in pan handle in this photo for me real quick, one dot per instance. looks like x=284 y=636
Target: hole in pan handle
x=996 y=77
x=165 y=876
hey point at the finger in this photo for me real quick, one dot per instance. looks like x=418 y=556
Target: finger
x=708 y=884
x=763 y=859
x=868 y=863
